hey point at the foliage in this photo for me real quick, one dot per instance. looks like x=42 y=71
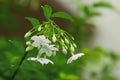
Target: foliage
x=12 y=51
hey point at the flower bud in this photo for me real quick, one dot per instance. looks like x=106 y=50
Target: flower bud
x=28 y=43
x=66 y=40
x=72 y=49
x=54 y=53
x=29 y=48
x=54 y=38
x=74 y=45
x=64 y=51
x=62 y=41
x=39 y=28
x=27 y=34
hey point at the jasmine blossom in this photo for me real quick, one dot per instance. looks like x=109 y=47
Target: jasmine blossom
x=40 y=40
x=48 y=49
x=41 y=60
x=74 y=57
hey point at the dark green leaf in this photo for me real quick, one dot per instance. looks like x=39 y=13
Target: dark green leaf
x=47 y=10
x=102 y=4
x=62 y=15
x=35 y=22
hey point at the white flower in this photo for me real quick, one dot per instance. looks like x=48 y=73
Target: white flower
x=40 y=60
x=40 y=40
x=74 y=57
x=48 y=49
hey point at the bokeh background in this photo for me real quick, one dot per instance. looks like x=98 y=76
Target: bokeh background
x=96 y=32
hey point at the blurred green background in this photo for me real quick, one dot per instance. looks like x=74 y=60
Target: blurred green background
x=97 y=64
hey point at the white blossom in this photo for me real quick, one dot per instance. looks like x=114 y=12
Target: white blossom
x=40 y=60
x=48 y=49
x=74 y=57
x=39 y=40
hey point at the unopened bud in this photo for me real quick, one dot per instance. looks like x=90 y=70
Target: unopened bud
x=28 y=43
x=62 y=41
x=54 y=53
x=66 y=40
x=27 y=34
x=29 y=48
x=74 y=45
x=72 y=49
x=54 y=38
x=39 y=28
x=64 y=51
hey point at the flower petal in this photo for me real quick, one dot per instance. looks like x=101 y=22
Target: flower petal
x=74 y=57
x=32 y=58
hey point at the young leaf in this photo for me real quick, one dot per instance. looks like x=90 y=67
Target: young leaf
x=62 y=15
x=35 y=22
x=47 y=10
x=102 y=4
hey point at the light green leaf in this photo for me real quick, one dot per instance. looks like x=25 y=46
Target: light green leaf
x=62 y=15
x=35 y=22
x=47 y=10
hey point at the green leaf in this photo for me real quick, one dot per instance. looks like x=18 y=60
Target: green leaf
x=86 y=10
x=62 y=15
x=47 y=10
x=35 y=22
x=102 y=4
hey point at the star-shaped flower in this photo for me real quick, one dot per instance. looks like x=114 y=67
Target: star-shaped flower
x=48 y=49
x=39 y=40
x=40 y=60
x=74 y=57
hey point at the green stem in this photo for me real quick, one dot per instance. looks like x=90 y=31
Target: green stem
x=17 y=69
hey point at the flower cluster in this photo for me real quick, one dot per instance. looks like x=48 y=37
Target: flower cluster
x=48 y=38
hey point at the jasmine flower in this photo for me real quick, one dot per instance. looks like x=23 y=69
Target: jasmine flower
x=74 y=57
x=40 y=60
x=48 y=49
x=39 y=40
